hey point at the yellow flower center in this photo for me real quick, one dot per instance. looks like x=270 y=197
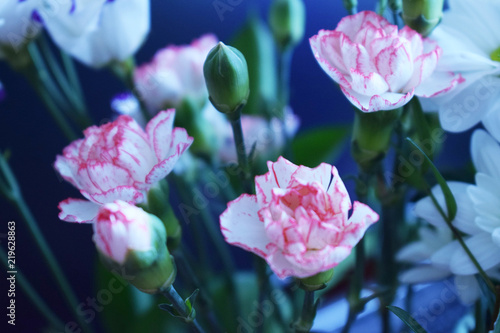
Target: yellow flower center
x=495 y=55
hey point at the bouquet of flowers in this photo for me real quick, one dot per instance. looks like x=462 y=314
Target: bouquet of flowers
x=211 y=212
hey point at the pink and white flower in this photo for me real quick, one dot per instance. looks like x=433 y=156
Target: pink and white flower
x=119 y=161
x=298 y=221
x=176 y=72
x=97 y=32
x=19 y=24
x=121 y=228
x=377 y=66
x=471 y=46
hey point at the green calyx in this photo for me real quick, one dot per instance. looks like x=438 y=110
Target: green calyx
x=316 y=282
x=422 y=15
x=226 y=77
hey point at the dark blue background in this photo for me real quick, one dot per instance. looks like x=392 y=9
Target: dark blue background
x=34 y=140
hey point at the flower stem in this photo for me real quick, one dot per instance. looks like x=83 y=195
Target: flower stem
x=15 y=197
x=235 y=120
x=188 y=314
x=284 y=66
x=308 y=313
x=35 y=298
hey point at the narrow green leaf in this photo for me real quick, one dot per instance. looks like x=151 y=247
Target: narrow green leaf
x=497 y=325
x=451 y=204
x=407 y=319
x=312 y=147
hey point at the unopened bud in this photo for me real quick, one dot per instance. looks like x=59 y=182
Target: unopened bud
x=422 y=15
x=287 y=20
x=226 y=76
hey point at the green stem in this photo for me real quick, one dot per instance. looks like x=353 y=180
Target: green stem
x=284 y=66
x=460 y=239
x=308 y=313
x=239 y=141
x=80 y=116
x=32 y=294
x=69 y=67
x=47 y=98
x=180 y=306
x=15 y=197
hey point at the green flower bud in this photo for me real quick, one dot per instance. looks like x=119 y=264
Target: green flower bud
x=133 y=243
x=226 y=76
x=287 y=20
x=422 y=15
x=316 y=282
x=350 y=5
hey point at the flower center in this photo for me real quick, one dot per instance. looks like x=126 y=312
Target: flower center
x=495 y=55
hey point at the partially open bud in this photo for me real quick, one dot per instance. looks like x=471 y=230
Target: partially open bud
x=287 y=20
x=316 y=282
x=226 y=76
x=133 y=243
x=422 y=15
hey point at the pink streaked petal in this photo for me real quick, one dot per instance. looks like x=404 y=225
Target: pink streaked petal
x=368 y=33
x=162 y=169
x=361 y=219
x=387 y=101
x=67 y=167
x=77 y=210
x=125 y=193
x=321 y=174
x=415 y=39
x=282 y=267
x=159 y=130
x=356 y=57
x=350 y=25
x=241 y=226
x=106 y=176
x=279 y=175
x=313 y=262
x=423 y=67
x=338 y=193
x=438 y=83
x=370 y=84
x=328 y=56
x=395 y=65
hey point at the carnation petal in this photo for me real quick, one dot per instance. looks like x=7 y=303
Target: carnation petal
x=424 y=65
x=241 y=226
x=78 y=210
x=282 y=267
x=395 y=64
x=279 y=175
x=438 y=83
x=128 y=194
x=386 y=101
x=159 y=130
x=361 y=219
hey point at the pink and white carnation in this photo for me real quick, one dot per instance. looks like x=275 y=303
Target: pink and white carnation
x=468 y=35
x=377 y=66
x=97 y=32
x=298 y=221
x=176 y=72
x=119 y=161
x=120 y=228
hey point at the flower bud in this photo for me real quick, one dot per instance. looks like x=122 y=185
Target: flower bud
x=316 y=282
x=422 y=15
x=226 y=76
x=287 y=21
x=133 y=243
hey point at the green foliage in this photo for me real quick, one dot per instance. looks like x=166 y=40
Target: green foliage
x=407 y=319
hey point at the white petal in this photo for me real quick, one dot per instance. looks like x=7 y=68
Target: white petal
x=414 y=252
x=485 y=154
x=491 y=121
x=423 y=274
x=241 y=226
x=467 y=288
x=279 y=175
x=77 y=210
x=483 y=249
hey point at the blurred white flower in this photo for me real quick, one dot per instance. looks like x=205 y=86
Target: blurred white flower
x=468 y=36
x=97 y=32
x=19 y=23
